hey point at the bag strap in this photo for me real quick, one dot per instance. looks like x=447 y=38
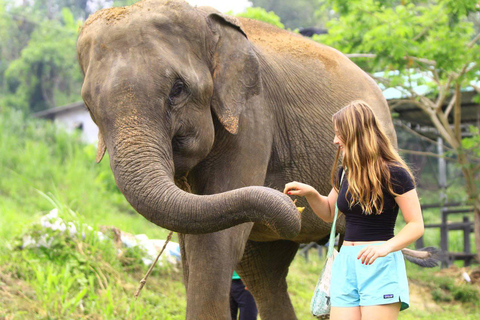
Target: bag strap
x=331 y=241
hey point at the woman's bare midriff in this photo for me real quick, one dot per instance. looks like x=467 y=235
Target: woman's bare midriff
x=359 y=243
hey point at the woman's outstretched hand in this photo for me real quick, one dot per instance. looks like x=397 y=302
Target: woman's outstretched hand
x=320 y=204
x=298 y=189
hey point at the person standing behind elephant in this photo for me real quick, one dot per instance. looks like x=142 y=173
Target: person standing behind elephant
x=241 y=300
x=369 y=280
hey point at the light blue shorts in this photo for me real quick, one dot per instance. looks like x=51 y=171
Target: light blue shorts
x=355 y=284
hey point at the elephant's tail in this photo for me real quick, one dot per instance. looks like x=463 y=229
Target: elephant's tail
x=427 y=257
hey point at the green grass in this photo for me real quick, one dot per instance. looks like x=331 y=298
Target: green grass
x=36 y=156
x=80 y=277
x=42 y=168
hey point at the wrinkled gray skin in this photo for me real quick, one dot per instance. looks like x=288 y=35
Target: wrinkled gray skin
x=240 y=106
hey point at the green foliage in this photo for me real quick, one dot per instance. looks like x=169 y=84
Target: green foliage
x=79 y=276
x=5 y=22
x=72 y=275
x=52 y=9
x=67 y=241
x=36 y=155
x=38 y=65
x=471 y=147
x=295 y=14
x=46 y=64
x=399 y=32
x=123 y=3
x=262 y=15
x=472 y=143
x=442 y=295
x=14 y=35
x=466 y=293
x=411 y=37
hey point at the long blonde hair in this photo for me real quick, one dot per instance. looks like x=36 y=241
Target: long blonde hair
x=368 y=154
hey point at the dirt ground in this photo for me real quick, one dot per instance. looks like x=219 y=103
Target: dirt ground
x=421 y=297
x=458 y=274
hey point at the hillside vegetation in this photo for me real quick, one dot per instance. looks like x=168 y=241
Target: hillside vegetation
x=81 y=276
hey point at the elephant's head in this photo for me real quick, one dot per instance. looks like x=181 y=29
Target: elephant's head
x=156 y=75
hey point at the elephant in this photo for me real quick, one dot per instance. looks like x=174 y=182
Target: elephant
x=205 y=118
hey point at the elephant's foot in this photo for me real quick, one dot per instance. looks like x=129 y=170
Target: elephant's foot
x=264 y=269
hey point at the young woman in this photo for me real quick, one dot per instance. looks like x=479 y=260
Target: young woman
x=369 y=280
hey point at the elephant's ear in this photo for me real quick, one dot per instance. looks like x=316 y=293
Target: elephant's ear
x=235 y=69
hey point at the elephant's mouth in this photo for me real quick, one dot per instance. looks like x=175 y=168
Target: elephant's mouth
x=184 y=158
x=180 y=142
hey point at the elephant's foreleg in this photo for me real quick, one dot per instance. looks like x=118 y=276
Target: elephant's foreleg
x=208 y=262
x=264 y=269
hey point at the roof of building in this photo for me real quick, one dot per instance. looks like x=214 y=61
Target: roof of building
x=51 y=113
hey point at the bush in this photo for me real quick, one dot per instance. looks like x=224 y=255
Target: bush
x=72 y=270
x=37 y=155
x=466 y=293
x=262 y=15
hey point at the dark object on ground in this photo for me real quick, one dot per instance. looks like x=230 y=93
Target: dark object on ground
x=309 y=32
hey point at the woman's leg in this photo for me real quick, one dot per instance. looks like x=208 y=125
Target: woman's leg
x=345 y=313
x=381 y=312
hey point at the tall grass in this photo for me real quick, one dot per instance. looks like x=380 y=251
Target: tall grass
x=36 y=155
x=82 y=276
x=38 y=159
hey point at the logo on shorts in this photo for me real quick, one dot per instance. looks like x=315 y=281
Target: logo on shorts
x=387 y=296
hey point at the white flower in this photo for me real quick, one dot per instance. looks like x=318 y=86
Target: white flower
x=28 y=241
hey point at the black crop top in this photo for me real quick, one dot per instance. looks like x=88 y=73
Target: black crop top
x=373 y=227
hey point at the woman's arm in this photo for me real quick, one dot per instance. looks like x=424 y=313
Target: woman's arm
x=412 y=213
x=322 y=206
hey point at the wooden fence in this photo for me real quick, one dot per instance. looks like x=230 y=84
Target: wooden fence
x=466 y=226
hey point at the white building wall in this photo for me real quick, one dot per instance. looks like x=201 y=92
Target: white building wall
x=73 y=119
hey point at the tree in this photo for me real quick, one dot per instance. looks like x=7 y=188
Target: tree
x=47 y=68
x=123 y=3
x=431 y=43
x=15 y=31
x=5 y=25
x=262 y=15
x=295 y=14
x=52 y=9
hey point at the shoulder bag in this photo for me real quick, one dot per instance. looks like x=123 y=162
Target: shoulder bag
x=320 y=305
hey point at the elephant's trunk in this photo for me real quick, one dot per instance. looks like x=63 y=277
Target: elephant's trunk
x=144 y=173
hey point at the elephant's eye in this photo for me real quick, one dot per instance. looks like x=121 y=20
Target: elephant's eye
x=177 y=89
